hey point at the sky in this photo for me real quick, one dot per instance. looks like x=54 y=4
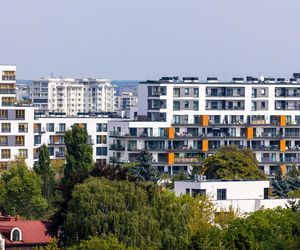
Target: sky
x=147 y=39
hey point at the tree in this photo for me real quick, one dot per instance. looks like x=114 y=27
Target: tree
x=79 y=159
x=151 y=219
x=232 y=163
x=44 y=170
x=281 y=187
x=21 y=190
x=96 y=243
x=265 y=229
x=144 y=171
x=294 y=172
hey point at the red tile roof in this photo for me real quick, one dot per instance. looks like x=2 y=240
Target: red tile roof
x=33 y=232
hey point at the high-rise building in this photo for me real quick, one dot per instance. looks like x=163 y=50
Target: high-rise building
x=182 y=121
x=72 y=96
x=125 y=101
x=16 y=121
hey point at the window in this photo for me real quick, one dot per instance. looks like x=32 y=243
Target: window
x=196 y=92
x=187 y=191
x=263 y=105
x=23 y=127
x=186 y=104
x=101 y=139
x=51 y=151
x=186 y=91
x=20 y=114
x=5 y=127
x=101 y=151
x=62 y=127
x=176 y=105
x=221 y=194
x=16 y=235
x=3 y=140
x=195 y=105
x=37 y=139
x=176 y=92
x=5 y=153
x=266 y=193
x=196 y=192
x=23 y=153
x=101 y=127
x=263 y=91
x=19 y=140
x=3 y=114
x=50 y=127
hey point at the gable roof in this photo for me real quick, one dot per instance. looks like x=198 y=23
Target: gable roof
x=33 y=232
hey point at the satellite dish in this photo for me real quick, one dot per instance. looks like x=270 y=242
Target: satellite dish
x=262 y=78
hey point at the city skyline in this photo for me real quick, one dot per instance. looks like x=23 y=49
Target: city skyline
x=136 y=40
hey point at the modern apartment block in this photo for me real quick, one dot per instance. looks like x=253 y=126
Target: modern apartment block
x=50 y=130
x=16 y=122
x=72 y=96
x=182 y=121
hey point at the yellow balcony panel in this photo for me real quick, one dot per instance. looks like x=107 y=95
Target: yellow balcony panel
x=205 y=145
x=283 y=169
x=282 y=145
x=204 y=120
x=249 y=133
x=171 y=158
x=282 y=120
x=171 y=133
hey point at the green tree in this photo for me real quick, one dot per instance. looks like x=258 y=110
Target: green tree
x=294 y=172
x=150 y=219
x=97 y=243
x=265 y=229
x=232 y=163
x=79 y=159
x=44 y=170
x=21 y=192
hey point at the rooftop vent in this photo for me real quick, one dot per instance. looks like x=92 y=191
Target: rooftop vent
x=237 y=79
x=296 y=75
x=212 y=79
x=249 y=78
x=280 y=80
x=190 y=79
x=169 y=79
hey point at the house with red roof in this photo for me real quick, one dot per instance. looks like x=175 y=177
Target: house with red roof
x=23 y=234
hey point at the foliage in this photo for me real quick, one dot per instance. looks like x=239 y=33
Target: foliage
x=57 y=166
x=144 y=171
x=294 y=193
x=20 y=190
x=52 y=245
x=283 y=185
x=265 y=229
x=44 y=170
x=147 y=219
x=232 y=163
x=294 y=172
x=225 y=216
x=210 y=239
x=96 y=243
x=79 y=159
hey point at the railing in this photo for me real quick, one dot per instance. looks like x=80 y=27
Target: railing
x=116 y=147
x=187 y=160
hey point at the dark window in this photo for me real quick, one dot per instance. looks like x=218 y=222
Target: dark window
x=16 y=235
x=196 y=192
x=221 y=194
x=266 y=193
x=187 y=191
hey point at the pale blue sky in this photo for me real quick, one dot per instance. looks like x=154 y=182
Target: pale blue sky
x=139 y=39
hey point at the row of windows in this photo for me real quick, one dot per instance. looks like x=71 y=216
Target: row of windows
x=6 y=153
x=221 y=193
x=19 y=114
x=22 y=127
x=50 y=127
x=19 y=140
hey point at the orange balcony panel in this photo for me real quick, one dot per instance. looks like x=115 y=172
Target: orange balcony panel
x=171 y=133
x=204 y=119
x=282 y=145
x=283 y=169
x=282 y=120
x=102 y=139
x=205 y=145
x=249 y=133
x=171 y=158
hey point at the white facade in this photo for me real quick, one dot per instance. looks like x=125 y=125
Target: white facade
x=244 y=196
x=16 y=122
x=196 y=118
x=72 y=96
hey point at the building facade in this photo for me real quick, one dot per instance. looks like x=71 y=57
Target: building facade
x=72 y=96
x=125 y=101
x=182 y=121
x=16 y=121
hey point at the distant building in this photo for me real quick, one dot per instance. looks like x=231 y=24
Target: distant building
x=242 y=195
x=18 y=234
x=23 y=93
x=71 y=96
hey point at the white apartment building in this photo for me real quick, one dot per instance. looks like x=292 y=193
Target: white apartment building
x=73 y=96
x=16 y=122
x=182 y=121
x=244 y=196
x=50 y=130
x=125 y=101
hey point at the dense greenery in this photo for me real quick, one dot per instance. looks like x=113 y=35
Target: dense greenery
x=232 y=163
x=283 y=186
x=21 y=192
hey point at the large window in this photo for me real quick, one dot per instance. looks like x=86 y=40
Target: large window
x=196 y=192
x=3 y=114
x=5 y=127
x=19 y=140
x=23 y=153
x=221 y=194
x=23 y=127
x=20 y=114
x=101 y=151
x=5 y=153
x=101 y=127
x=16 y=235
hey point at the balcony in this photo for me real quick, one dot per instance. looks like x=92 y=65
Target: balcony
x=116 y=147
x=7 y=91
x=188 y=160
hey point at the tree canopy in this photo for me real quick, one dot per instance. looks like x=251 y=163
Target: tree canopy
x=21 y=193
x=232 y=163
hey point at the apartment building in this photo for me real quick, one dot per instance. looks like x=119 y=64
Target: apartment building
x=182 y=121
x=16 y=121
x=125 y=101
x=50 y=130
x=72 y=96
